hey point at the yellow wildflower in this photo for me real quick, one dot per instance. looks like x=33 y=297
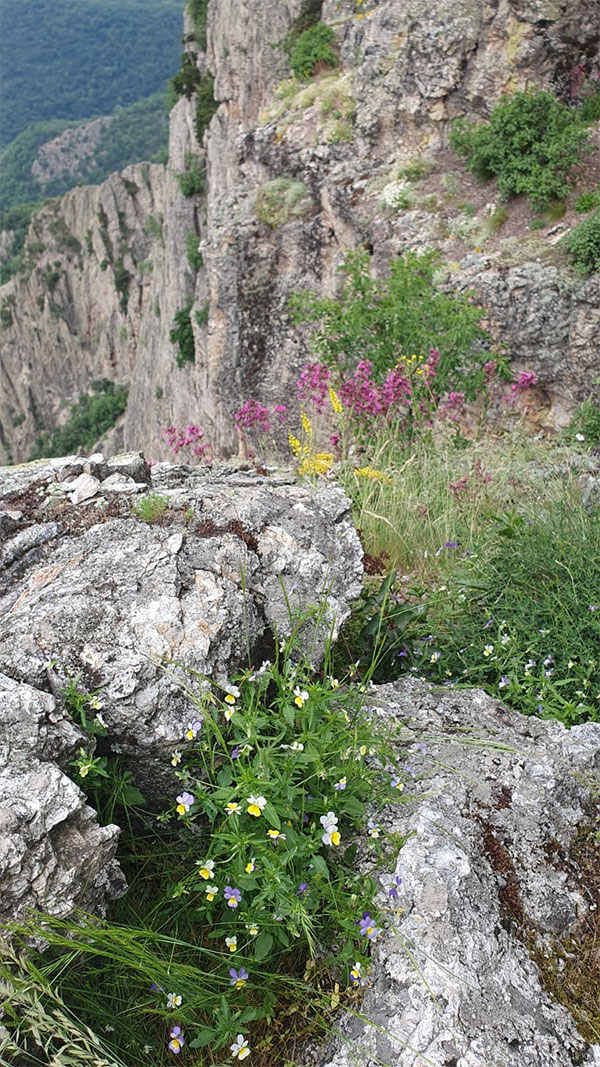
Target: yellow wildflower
x=373 y=474
x=306 y=424
x=336 y=403
x=320 y=463
x=295 y=445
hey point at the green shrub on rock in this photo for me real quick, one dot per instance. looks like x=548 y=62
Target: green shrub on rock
x=282 y=200
x=530 y=144
x=583 y=245
x=313 y=48
x=182 y=335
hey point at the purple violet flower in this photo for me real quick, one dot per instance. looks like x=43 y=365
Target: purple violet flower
x=393 y=890
x=238 y=978
x=232 y=896
x=301 y=889
x=368 y=928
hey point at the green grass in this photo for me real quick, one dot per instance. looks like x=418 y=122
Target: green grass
x=493 y=542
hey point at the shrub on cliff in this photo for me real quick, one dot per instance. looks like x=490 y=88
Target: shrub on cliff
x=313 y=48
x=380 y=320
x=583 y=245
x=90 y=417
x=182 y=335
x=530 y=144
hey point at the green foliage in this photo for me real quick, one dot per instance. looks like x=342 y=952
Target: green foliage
x=192 y=181
x=282 y=200
x=122 y=280
x=182 y=335
x=585 y=423
x=313 y=49
x=385 y=620
x=206 y=105
x=587 y=202
x=198 y=11
x=530 y=144
x=583 y=245
x=202 y=314
x=407 y=312
x=94 y=56
x=521 y=615
x=90 y=417
x=153 y=226
x=137 y=132
x=269 y=757
x=16 y=220
x=310 y=15
x=149 y=508
x=186 y=81
x=194 y=256
x=6 y=310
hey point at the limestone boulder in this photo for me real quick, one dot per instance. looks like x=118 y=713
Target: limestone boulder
x=497 y=873
x=199 y=570
x=54 y=857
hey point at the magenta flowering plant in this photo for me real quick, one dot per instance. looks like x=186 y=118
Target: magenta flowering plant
x=190 y=437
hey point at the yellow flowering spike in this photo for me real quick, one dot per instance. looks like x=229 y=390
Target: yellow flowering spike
x=294 y=444
x=336 y=403
x=320 y=463
x=372 y=473
x=306 y=424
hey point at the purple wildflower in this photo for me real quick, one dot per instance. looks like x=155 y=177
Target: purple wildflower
x=368 y=928
x=301 y=889
x=238 y=978
x=177 y=1039
x=190 y=437
x=502 y=684
x=313 y=384
x=235 y=752
x=232 y=896
x=393 y=890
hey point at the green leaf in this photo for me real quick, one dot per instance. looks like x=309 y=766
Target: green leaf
x=289 y=714
x=250 y=1014
x=352 y=806
x=205 y=1037
x=350 y=854
x=225 y=777
x=263 y=945
x=320 y=867
x=272 y=817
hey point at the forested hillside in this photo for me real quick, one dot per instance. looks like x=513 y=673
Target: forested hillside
x=75 y=59
x=135 y=133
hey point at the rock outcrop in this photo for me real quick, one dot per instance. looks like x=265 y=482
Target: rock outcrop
x=54 y=857
x=203 y=573
x=364 y=146
x=498 y=873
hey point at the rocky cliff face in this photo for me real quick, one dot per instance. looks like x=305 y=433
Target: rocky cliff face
x=109 y=265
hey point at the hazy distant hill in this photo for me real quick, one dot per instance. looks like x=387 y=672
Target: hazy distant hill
x=50 y=157
x=76 y=59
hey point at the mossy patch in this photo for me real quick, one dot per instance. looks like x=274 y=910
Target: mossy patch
x=282 y=200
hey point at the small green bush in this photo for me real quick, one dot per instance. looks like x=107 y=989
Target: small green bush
x=530 y=144
x=182 y=335
x=192 y=181
x=90 y=417
x=194 y=257
x=587 y=202
x=206 y=105
x=198 y=12
x=585 y=423
x=313 y=48
x=185 y=82
x=406 y=313
x=583 y=245
x=151 y=507
x=202 y=314
x=282 y=200
x=122 y=280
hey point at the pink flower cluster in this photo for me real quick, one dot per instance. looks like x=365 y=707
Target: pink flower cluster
x=190 y=437
x=526 y=380
x=255 y=416
x=313 y=384
x=453 y=406
x=367 y=400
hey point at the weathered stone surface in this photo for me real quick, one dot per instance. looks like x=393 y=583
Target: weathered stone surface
x=407 y=71
x=496 y=804
x=108 y=597
x=53 y=855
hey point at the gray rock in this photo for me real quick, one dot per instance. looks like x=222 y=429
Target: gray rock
x=496 y=805
x=130 y=465
x=53 y=855
x=120 y=483
x=83 y=488
x=118 y=600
